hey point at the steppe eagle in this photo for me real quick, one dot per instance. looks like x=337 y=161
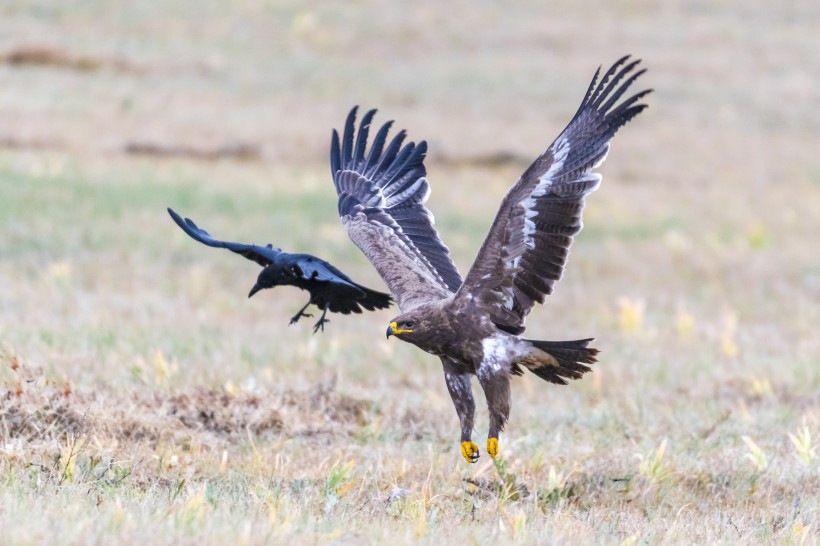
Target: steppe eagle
x=475 y=326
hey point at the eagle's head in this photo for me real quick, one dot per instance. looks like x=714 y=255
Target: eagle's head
x=405 y=327
x=425 y=326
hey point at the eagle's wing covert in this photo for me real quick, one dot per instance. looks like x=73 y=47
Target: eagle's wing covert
x=527 y=247
x=263 y=255
x=381 y=203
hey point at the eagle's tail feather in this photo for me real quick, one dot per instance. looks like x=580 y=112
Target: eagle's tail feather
x=572 y=358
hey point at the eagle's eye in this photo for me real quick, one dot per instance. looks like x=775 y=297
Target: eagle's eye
x=408 y=323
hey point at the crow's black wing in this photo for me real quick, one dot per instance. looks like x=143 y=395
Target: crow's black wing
x=311 y=268
x=329 y=285
x=370 y=300
x=263 y=255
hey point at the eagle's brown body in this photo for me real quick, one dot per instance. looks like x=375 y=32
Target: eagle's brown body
x=460 y=332
x=475 y=325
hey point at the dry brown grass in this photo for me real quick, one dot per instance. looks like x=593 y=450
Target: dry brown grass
x=145 y=400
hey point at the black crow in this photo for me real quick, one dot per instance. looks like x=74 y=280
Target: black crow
x=330 y=289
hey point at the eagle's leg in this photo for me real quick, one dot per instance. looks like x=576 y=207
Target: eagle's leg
x=496 y=385
x=321 y=322
x=300 y=314
x=461 y=391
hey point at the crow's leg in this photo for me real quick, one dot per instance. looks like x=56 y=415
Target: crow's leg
x=300 y=314
x=320 y=325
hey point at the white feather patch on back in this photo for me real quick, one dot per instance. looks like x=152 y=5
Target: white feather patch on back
x=499 y=352
x=495 y=354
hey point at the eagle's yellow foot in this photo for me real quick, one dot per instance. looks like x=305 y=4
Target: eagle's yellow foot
x=469 y=451
x=492 y=447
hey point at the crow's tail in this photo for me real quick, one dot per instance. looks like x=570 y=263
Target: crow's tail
x=373 y=299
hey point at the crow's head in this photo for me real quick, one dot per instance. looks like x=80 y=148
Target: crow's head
x=270 y=276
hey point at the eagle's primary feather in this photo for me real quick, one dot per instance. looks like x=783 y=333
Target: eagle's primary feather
x=381 y=202
x=528 y=245
x=474 y=325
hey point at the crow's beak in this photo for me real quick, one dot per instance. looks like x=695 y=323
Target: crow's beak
x=256 y=288
x=391 y=329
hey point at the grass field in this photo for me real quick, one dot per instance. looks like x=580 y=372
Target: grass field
x=146 y=400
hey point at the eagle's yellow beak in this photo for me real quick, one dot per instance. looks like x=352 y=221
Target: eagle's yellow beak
x=393 y=329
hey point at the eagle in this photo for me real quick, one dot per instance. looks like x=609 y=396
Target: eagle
x=475 y=325
x=330 y=289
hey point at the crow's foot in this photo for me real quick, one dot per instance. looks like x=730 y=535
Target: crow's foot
x=320 y=325
x=295 y=318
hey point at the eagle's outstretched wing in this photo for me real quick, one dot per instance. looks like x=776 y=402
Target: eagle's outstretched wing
x=263 y=255
x=528 y=244
x=381 y=203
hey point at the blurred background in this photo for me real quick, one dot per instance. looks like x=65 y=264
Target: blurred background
x=109 y=112
x=697 y=269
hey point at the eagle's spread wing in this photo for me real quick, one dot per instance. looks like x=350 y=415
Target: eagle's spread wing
x=263 y=255
x=528 y=244
x=381 y=203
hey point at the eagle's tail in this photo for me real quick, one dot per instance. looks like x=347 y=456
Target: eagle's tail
x=569 y=359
